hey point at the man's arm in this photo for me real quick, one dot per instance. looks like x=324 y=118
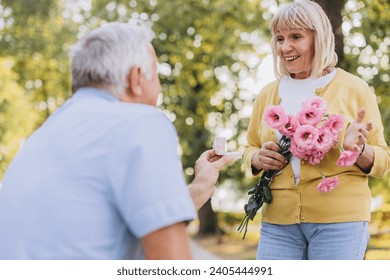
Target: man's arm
x=168 y=243
x=171 y=242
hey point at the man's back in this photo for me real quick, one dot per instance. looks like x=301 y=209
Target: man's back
x=97 y=176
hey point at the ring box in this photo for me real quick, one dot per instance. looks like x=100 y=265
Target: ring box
x=220 y=145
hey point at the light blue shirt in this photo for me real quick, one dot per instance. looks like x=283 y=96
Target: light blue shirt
x=95 y=178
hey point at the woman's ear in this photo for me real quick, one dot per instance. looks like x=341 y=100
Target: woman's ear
x=134 y=79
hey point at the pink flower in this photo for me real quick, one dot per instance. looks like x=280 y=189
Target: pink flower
x=289 y=128
x=275 y=117
x=347 y=158
x=315 y=157
x=325 y=140
x=306 y=136
x=334 y=123
x=310 y=115
x=317 y=102
x=328 y=184
x=298 y=151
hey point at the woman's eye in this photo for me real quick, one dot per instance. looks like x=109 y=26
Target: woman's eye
x=296 y=36
x=279 y=39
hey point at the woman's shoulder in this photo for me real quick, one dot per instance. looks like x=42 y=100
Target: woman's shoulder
x=352 y=86
x=269 y=90
x=349 y=78
x=271 y=85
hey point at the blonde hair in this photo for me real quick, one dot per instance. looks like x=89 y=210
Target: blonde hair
x=306 y=15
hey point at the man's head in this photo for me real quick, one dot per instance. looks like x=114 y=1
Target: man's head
x=119 y=58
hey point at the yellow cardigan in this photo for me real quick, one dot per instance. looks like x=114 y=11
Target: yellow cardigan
x=350 y=200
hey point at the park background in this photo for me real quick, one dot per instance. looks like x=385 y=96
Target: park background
x=214 y=57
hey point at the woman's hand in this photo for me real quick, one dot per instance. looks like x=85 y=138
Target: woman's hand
x=357 y=133
x=268 y=157
x=355 y=139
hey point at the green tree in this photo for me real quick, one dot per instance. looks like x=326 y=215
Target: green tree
x=17 y=119
x=333 y=9
x=367 y=41
x=33 y=39
x=37 y=34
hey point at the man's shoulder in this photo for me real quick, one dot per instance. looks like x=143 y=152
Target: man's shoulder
x=96 y=102
x=139 y=114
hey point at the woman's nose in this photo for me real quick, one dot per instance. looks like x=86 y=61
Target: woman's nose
x=286 y=47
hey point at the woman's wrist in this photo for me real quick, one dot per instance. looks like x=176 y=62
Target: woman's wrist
x=362 y=150
x=365 y=159
x=255 y=171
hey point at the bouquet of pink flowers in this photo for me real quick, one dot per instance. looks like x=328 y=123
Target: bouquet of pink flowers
x=313 y=133
x=308 y=135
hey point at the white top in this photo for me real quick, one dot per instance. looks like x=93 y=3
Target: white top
x=95 y=178
x=293 y=93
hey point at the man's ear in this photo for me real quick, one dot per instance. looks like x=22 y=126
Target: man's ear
x=134 y=79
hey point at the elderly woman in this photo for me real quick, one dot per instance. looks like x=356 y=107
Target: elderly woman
x=301 y=222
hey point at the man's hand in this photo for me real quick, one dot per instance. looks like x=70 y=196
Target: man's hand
x=207 y=169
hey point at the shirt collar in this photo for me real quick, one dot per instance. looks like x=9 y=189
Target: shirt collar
x=95 y=92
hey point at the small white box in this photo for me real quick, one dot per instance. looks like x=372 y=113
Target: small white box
x=236 y=155
x=220 y=145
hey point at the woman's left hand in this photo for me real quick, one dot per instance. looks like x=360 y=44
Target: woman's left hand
x=357 y=133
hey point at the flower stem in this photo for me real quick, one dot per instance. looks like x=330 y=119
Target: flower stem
x=261 y=192
x=341 y=148
x=322 y=174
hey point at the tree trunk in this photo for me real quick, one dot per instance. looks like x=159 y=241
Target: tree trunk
x=333 y=9
x=208 y=223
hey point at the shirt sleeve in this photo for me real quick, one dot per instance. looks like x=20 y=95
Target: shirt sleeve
x=255 y=136
x=253 y=141
x=359 y=95
x=148 y=185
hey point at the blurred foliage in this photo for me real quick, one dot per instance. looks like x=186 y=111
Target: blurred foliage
x=36 y=35
x=367 y=42
x=206 y=49
x=17 y=117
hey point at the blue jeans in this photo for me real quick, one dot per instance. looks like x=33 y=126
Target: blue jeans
x=309 y=241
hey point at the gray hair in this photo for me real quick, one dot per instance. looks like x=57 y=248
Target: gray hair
x=304 y=14
x=103 y=57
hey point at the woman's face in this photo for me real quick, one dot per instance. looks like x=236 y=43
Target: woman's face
x=295 y=49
